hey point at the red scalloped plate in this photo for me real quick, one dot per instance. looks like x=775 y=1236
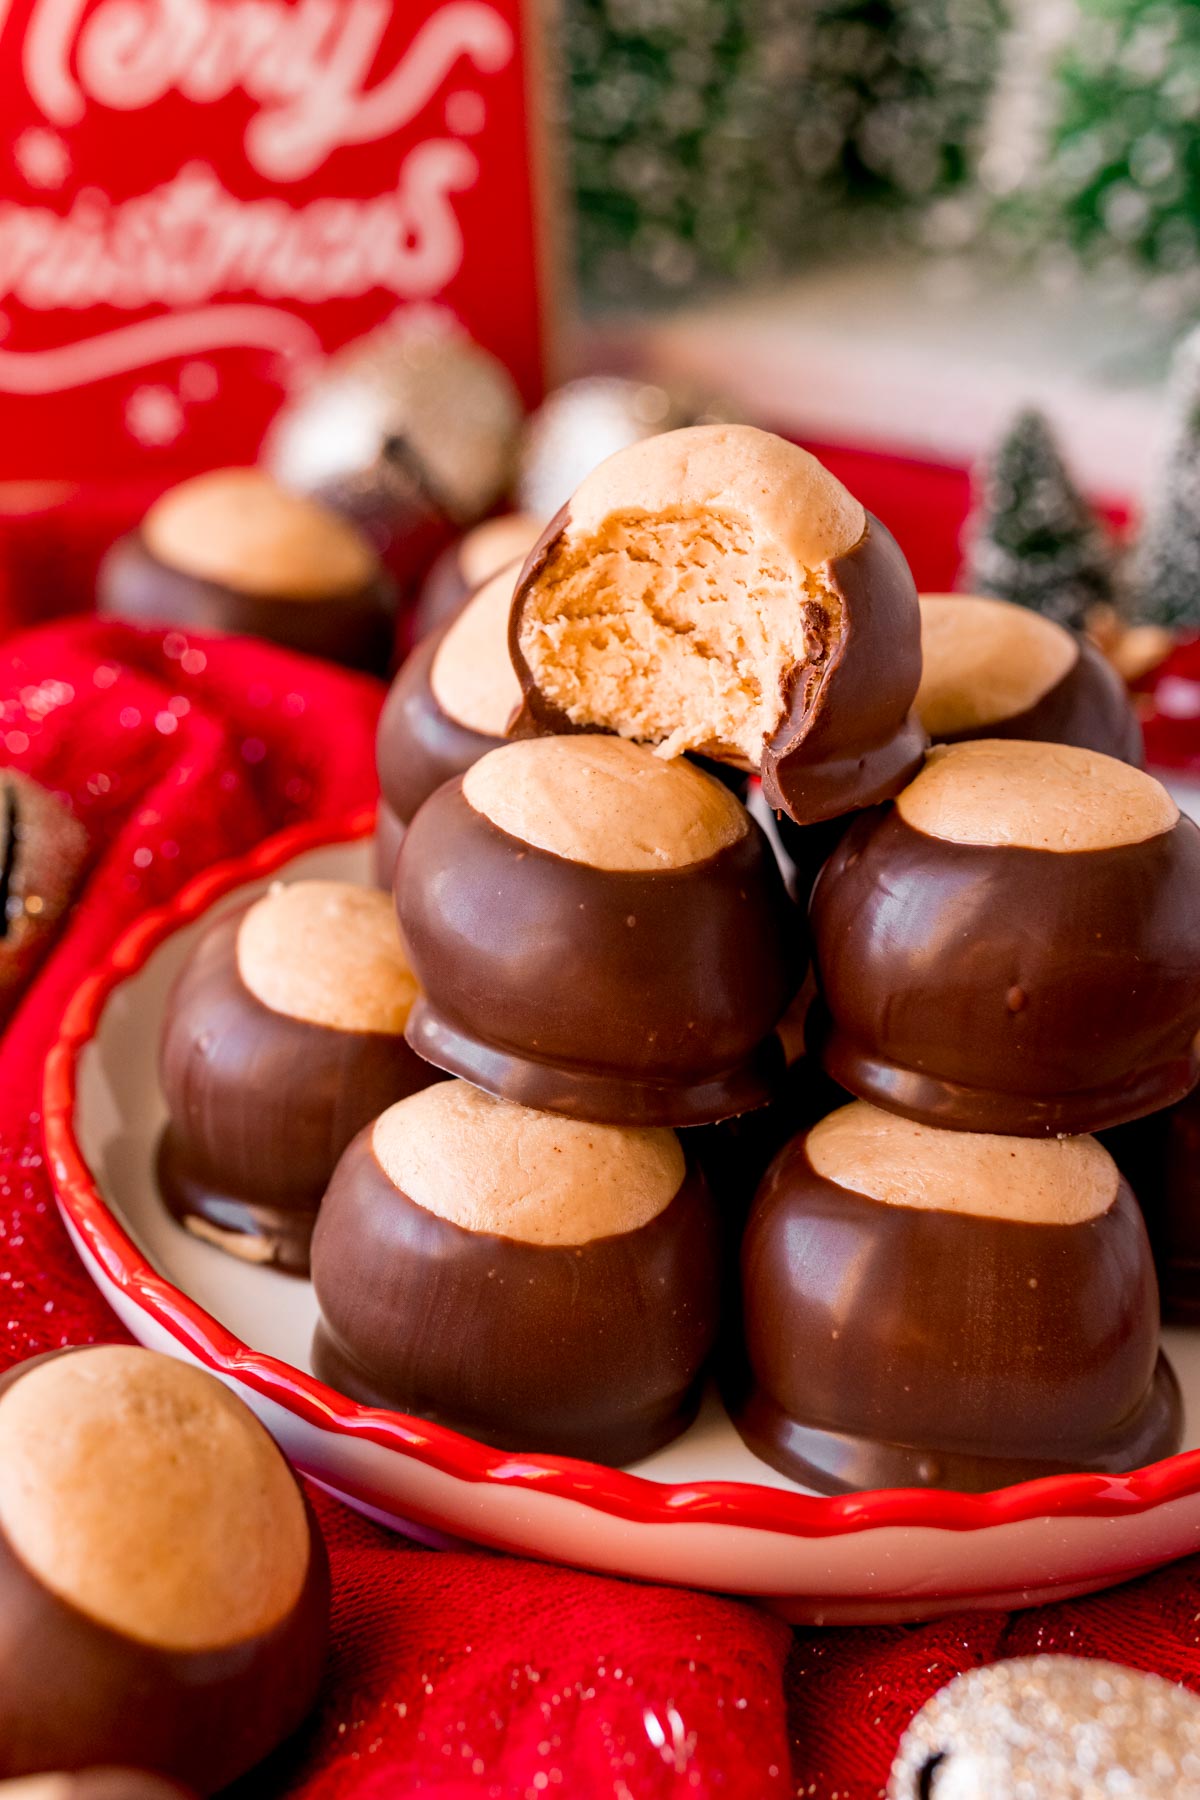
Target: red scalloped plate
x=704 y=1512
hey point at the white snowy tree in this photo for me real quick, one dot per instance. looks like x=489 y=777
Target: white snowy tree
x=1165 y=586
x=1034 y=539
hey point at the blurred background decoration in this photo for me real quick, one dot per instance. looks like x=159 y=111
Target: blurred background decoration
x=888 y=228
x=738 y=138
x=1114 y=177
x=895 y=222
x=717 y=139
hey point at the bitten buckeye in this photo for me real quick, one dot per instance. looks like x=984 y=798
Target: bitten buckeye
x=284 y=1034
x=717 y=590
x=164 y=1592
x=992 y=669
x=232 y=551
x=599 y=933
x=540 y=1283
x=1014 y=946
x=928 y=1308
x=449 y=705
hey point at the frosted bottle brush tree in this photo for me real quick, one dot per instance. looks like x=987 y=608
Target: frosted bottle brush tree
x=1166 y=569
x=736 y=137
x=889 y=95
x=1034 y=539
x=1119 y=179
x=670 y=129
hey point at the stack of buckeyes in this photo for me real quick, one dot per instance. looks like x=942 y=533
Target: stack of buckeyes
x=944 y=1278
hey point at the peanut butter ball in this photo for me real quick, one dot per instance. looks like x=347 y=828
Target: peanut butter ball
x=233 y=551
x=540 y=1282
x=1014 y=945
x=94 y=1784
x=950 y=1309
x=164 y=1592
x=598 y=932
x=283 y=1036
x=992 y=669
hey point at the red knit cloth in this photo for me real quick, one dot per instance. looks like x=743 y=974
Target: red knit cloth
x=453 y=1674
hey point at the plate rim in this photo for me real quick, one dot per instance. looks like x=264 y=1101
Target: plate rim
x=617 y=1493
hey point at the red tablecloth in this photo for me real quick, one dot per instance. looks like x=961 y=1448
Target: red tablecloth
x=452 y=1674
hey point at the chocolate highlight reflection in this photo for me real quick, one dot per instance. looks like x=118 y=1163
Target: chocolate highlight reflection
x=599 y=933
x=164 y=1590
x=942 y=1309
x=283 y=1036
x=542 y=1284
x=1014 y=946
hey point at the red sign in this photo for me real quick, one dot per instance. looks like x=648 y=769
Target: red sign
x=199 y=197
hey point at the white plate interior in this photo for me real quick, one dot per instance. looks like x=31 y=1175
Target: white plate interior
x=119 y=1115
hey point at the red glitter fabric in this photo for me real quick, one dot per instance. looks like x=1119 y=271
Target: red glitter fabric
x=453 y=1674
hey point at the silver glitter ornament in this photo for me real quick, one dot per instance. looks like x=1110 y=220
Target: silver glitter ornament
x=1052 y=1728
x=580 y=424
x=402 y=428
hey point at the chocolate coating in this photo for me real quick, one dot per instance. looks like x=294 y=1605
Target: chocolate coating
x=1175 y=1221
x=612 y=995
x=389 y=835
x=75 y=1693
x=893 y=1346
x=593 y=1350
x=848 y=737
x=806 y=850
x=994 y=988
x=44 y=853
x=1089 y=706
x=355 y=629
x=1160 y=1157
x=444 y=592
x=417 y=748
x=736 y=1153
x=262 y=1104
